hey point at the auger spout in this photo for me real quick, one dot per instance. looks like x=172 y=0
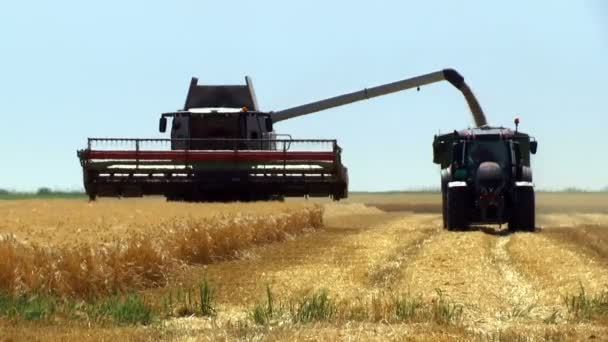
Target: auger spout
x=449 y=75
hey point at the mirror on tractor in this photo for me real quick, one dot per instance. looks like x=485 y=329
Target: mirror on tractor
x=533 y=146
x=438 y=151
x=162 y=124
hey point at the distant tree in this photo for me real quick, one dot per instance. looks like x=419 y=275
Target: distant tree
x=605 y=189
x=44 y=191
x=4 y=192
x=573 y=189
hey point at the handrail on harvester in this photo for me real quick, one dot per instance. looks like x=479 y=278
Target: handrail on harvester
x=334 y=142
x=188 y=155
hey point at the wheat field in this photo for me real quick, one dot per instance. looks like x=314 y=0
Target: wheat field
x=75 y=248
x=374 y=267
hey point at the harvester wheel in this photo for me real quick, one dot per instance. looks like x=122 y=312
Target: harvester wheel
x=523 y=217
x=339 y=192
x=457 y=208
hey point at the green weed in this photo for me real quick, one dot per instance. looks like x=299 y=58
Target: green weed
x=583 y=306
x=129 y=309
x=444 y=311
x=206 y=299
x=264 y=313
x=317 y=306
x=28 y=307
x=407 y=308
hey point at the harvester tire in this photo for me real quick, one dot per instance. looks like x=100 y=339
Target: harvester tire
x=523 y=218
x=457 y=208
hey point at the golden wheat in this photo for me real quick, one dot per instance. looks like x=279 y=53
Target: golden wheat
x=107 y=248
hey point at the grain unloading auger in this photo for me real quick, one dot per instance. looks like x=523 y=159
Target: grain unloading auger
x=449 y=75
x=223 y=148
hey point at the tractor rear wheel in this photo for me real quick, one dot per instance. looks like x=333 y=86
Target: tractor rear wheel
x=457 y=208
x=444 y=207
x=523 y=216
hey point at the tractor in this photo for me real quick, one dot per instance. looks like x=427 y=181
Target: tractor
x=486 y=177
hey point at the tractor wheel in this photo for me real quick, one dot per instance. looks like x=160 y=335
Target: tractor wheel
x=457 y=208
x=444 y=208
x=523 y=217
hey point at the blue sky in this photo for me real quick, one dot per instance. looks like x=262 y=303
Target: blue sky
x=73 y=69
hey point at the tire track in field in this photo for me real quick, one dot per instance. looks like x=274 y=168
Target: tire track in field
x=460 y=266
x=526 y=301
x=475 y=270
x=389 y=272
x=517 y=291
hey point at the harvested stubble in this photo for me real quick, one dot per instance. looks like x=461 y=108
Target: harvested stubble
x=141 y=255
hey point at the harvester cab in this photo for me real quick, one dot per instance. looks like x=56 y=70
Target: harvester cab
x=218 y=128
x=217 y=116
x=486 y=177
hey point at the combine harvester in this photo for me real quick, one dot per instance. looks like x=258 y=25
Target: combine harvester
x=224 y=148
